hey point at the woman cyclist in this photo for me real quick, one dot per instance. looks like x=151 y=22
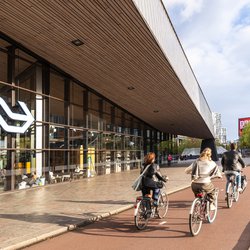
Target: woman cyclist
x=202 y=172
x=152 y=178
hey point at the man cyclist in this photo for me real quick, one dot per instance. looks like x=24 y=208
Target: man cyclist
x=232 y=163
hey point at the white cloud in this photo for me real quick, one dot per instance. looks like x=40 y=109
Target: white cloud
x=186 y=8
x=215 y=36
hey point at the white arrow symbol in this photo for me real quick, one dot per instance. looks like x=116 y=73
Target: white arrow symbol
x=27 y=118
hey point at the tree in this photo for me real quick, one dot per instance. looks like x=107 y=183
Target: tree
x=245 y=137
x=189 y=143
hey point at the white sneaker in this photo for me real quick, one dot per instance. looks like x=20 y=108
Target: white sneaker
x=240 y=189
x=212 y=206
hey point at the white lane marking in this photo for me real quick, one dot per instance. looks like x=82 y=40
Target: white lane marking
x=163 y=222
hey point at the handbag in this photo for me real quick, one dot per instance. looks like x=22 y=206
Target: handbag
x=138 y=182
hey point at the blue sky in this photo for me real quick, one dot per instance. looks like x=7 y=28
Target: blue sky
x=215 y=35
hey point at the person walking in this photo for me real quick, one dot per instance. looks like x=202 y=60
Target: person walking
x=203 y=170
x=232 y=163
x=170 y=158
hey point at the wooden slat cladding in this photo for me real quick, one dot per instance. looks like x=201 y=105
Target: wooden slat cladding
x=119 y=51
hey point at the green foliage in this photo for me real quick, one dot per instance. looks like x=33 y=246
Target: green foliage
x=172 y=147
x=189 y=143
x=245 y=137
x=168 y=147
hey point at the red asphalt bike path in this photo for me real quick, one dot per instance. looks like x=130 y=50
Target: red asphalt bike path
x=230 y=230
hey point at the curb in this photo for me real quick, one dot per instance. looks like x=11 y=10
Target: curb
x=72 y=227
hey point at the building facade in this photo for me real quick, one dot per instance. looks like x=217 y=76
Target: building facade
x=75 y=128
x=90 y=88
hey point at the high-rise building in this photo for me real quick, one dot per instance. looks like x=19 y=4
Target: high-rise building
x=219 y=131
x=216 y=124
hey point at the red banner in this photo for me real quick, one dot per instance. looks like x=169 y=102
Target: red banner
x=242 y=123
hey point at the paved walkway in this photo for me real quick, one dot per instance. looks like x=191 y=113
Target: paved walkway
x=29 y=216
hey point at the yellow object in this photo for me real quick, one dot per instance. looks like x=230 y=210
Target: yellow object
x=81 y=157
x=27 y=164
x=91 y=162
x=19 y=164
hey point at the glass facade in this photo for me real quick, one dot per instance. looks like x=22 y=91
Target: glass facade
x=76 y=132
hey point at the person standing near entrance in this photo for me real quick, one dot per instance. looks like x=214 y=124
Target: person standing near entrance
x=170 y=158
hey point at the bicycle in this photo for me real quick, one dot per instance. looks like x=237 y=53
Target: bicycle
x=200 y=211
x=145 y=209
x=232 y=192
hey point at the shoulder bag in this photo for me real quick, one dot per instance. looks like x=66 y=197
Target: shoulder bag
x=138 y=182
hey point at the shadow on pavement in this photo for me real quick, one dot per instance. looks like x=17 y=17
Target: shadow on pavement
x=117 y=202
x=244 y=239
x=113 y=227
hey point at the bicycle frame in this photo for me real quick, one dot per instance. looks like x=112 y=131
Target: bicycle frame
x=204 y=201
x=200 y=211
x=232 y=193
x=145 y=209
x=231 y=178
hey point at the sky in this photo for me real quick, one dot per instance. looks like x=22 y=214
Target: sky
x=215 y=36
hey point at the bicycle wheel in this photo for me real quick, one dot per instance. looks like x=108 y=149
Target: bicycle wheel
x=211 y=214
x=163 y=202
x=230 y=194
x=141 y=217
x=195 y=220
x=236 y=194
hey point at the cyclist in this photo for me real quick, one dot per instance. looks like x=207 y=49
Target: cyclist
x=232 y=163
x=152 y=179
x=202 y=171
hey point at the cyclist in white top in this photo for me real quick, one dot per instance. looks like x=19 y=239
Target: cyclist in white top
x=203 y=170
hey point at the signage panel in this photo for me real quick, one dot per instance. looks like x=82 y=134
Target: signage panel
x=27 y=118
x=242 y=123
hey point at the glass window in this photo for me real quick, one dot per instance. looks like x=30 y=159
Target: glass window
x=76 y=147
x=108 y=141
x=119 y=142
x=94 y=102
x=56 y=111
x=57 y=161
x=57 y=137
x=76 y=115
x=127 y=140
x=25 y=70
x=118 y=120
x=107 y=122
x=93 y=120
x=3 y=62
x=56 y=85
x=76 y=106
x=93 y=139
x=6 y=91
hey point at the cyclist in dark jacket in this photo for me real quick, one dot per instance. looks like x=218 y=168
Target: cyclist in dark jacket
x=152 y=179
x=232 y=163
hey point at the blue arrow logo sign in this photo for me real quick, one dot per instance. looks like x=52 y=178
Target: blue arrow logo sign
x=26 y=117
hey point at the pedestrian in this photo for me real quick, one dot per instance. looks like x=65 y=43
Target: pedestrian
x=203 y=170
x=232 y=163
x=170 y=158
x=152 y=179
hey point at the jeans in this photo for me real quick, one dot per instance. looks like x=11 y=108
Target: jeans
x=155 y=196
x=237 y=175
